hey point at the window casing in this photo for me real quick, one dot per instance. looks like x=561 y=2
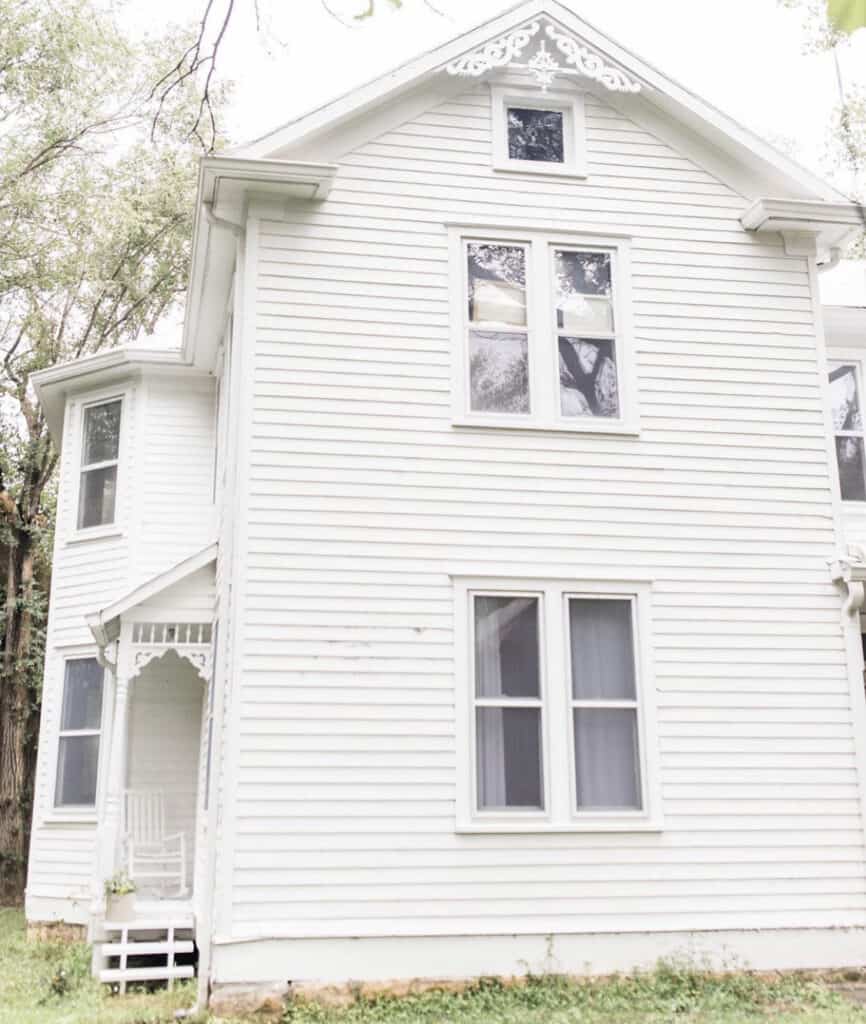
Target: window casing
x=556 y=715
x=80 y=734
x=539 y=133
x=849 y=438
x=542 y=331
x=100 y=458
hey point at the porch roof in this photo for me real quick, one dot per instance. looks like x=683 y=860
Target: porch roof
x=104 y=622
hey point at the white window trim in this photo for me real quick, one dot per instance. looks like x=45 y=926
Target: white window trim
x=572 y=108
x=855 y=357
x=69 y=814
x=542 y=332
x=560 y=812
x=78 y=409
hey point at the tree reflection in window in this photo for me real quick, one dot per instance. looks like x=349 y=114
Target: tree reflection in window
x=536 y=135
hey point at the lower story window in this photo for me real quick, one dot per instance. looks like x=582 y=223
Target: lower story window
x=80 y=733
x=559 y=715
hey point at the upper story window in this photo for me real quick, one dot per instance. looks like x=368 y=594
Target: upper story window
x=80 y=732
x=845 y=397
x=541 y=134
x=100 y=450
x=559 y=706
x=544 y=333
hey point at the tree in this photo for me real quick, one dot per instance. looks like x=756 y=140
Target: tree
x=846 y=156
x=97 y=186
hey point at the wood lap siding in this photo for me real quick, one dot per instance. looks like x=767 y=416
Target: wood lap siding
x=164 y=500
x=362 y=497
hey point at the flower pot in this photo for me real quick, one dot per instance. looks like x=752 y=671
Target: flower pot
x=121 y=908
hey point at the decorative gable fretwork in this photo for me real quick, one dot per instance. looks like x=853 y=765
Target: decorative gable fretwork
x=580 y=60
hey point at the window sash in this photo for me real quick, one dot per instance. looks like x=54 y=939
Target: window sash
x=506 y=702
x=66 y=734
x=857 y=435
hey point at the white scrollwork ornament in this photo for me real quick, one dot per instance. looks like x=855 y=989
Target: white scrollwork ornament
x=496 y=54
x=590 y=64
x=505 y=51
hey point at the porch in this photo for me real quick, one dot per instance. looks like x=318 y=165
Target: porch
x=157 y=647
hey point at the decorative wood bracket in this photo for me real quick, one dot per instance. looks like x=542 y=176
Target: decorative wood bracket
x=580 y=60
x=849 y=571
x=201 y=659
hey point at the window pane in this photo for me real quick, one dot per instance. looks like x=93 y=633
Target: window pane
x=498 y=372
x=845 y=399
x=98 y=493
x=849 y=455
x=602 y=654
x=587 y=378
x=583 y=291
x=76 y=771
x=101 y=433
x=535 y=135
x=506 y=647
x=497 y=284
x=606 y=758
x=509 y=757
x=82 y=695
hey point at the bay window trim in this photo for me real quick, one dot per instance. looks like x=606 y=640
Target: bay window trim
x=77 y=410
x=543 y=337
x=560 y=813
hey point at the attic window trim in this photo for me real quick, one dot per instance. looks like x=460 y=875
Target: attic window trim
x=572 y=107
x=543 y=65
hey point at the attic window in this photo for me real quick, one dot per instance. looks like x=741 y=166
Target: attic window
x=543 y=134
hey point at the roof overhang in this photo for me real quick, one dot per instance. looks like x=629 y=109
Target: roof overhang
x=104 y=622
x=807 y=226
x=54 y=384
x=226 y=185
x=741 y=156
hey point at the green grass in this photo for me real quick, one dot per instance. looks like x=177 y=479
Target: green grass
x=50 y=983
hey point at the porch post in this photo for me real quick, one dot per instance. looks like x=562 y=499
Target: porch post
x=108 y=854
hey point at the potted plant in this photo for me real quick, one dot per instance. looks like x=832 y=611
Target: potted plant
x=119 y=898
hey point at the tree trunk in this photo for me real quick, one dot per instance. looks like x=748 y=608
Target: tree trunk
x=18 y=722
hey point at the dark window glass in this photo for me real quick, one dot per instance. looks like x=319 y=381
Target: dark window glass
x=852 y=478
x=509 y=758
x=76 y=771
x=607 y=765
x=536 y=135
x=506 y=647
x=101 y=433
x=82 y=695
x=602 y=653
x=97 y=498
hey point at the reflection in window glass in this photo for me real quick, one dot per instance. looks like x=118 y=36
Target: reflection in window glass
x=497 y=284
x=100 y=450
x=536 y=135
x=80 y=726
x=498 y=372
x=848 y=428
x=587 y=377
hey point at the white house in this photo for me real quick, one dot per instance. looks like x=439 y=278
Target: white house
x=473 y=591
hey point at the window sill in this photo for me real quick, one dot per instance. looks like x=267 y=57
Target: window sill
x=620 y=428
x=500 y=827
x=58 y=818
x=549 y=170
x=95 y=533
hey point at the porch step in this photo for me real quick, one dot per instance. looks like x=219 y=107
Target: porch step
x=145 y=949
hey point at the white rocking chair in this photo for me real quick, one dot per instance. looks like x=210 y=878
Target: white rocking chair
x=151 y=854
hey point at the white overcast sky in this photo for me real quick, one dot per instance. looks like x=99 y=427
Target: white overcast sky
x=744 y=56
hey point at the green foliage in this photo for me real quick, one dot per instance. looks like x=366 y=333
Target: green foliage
x=119 y=884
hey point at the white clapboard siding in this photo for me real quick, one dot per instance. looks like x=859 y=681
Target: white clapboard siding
x=164 y=514
x=361 y=498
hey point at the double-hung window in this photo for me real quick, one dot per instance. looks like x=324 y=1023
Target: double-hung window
x=557 y=719
x=542 y=332
x=80 y=732
x=845 y=398
x=100 y=450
